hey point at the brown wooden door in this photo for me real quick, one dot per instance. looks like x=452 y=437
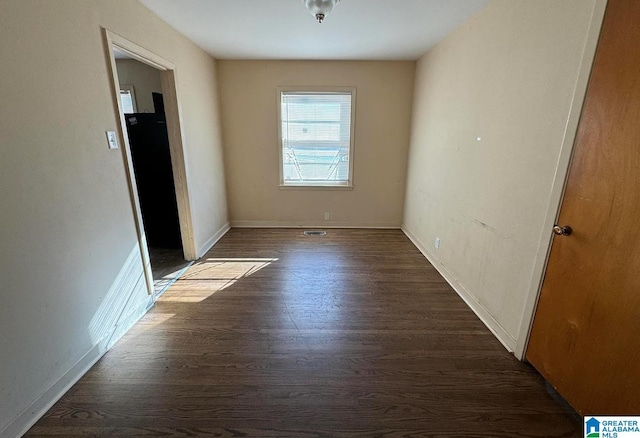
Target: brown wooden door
x=586 y=333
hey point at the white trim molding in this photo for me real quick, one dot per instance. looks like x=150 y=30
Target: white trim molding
x=481 y=312
x=21 y=424
x=314 y=224
x=315 y=91
x=561 y=174
x=206 y=246
x=168 y=79
x=123 y=306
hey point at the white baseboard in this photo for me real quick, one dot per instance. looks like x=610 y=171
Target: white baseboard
x=20 y=425
x=206 y=246
x=42 y=404
x=313 y=224
x=481 y=312
x=130 y=316
x=128 y=283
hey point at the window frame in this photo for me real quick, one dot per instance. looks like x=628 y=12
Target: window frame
x=132 y=93
x=316 y=90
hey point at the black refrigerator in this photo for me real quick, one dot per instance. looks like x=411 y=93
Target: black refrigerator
x=154 y=176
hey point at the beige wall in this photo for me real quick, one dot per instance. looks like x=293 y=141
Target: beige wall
x=490 y=111
x=196 y=78
x=145 y=80
x=69 y=256
x=383 y=113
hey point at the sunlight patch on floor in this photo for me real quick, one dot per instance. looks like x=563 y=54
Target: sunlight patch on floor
x=152 y=320
x=212 y=275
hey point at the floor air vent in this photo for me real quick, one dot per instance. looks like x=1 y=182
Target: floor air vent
x=314 y=233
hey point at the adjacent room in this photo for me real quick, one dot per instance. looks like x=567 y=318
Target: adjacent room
x=319 y=218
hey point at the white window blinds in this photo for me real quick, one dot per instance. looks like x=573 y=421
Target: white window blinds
x=128 y=105
x=316 y=138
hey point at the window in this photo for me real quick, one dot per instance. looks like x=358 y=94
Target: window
x=316 y=137
x=128 y=99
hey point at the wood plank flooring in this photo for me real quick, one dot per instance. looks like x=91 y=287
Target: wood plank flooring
x=166 y=265
x=274 y=334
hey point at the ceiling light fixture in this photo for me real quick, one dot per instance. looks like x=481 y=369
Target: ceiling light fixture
x=320 y=8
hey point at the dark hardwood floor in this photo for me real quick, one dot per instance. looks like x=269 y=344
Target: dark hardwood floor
x=274 y=334
x=167 y=265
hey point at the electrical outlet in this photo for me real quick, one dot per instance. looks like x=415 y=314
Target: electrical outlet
x=327 y=216
x=436 y=243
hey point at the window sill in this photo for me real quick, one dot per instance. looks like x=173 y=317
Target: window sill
x=314 y=187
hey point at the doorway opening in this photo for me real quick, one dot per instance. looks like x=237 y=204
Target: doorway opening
x=145 y=97
x=145 y=119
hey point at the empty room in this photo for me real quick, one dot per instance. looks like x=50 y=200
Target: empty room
x=320 y=218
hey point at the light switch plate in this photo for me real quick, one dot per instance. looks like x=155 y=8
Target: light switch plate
x=112 y=140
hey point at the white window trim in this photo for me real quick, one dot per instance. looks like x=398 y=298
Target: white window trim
x=316 y=90
x=132 y=92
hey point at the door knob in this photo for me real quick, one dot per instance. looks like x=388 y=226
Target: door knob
x=562 y=231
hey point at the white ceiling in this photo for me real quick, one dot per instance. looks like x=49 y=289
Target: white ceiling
x=285 y=29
